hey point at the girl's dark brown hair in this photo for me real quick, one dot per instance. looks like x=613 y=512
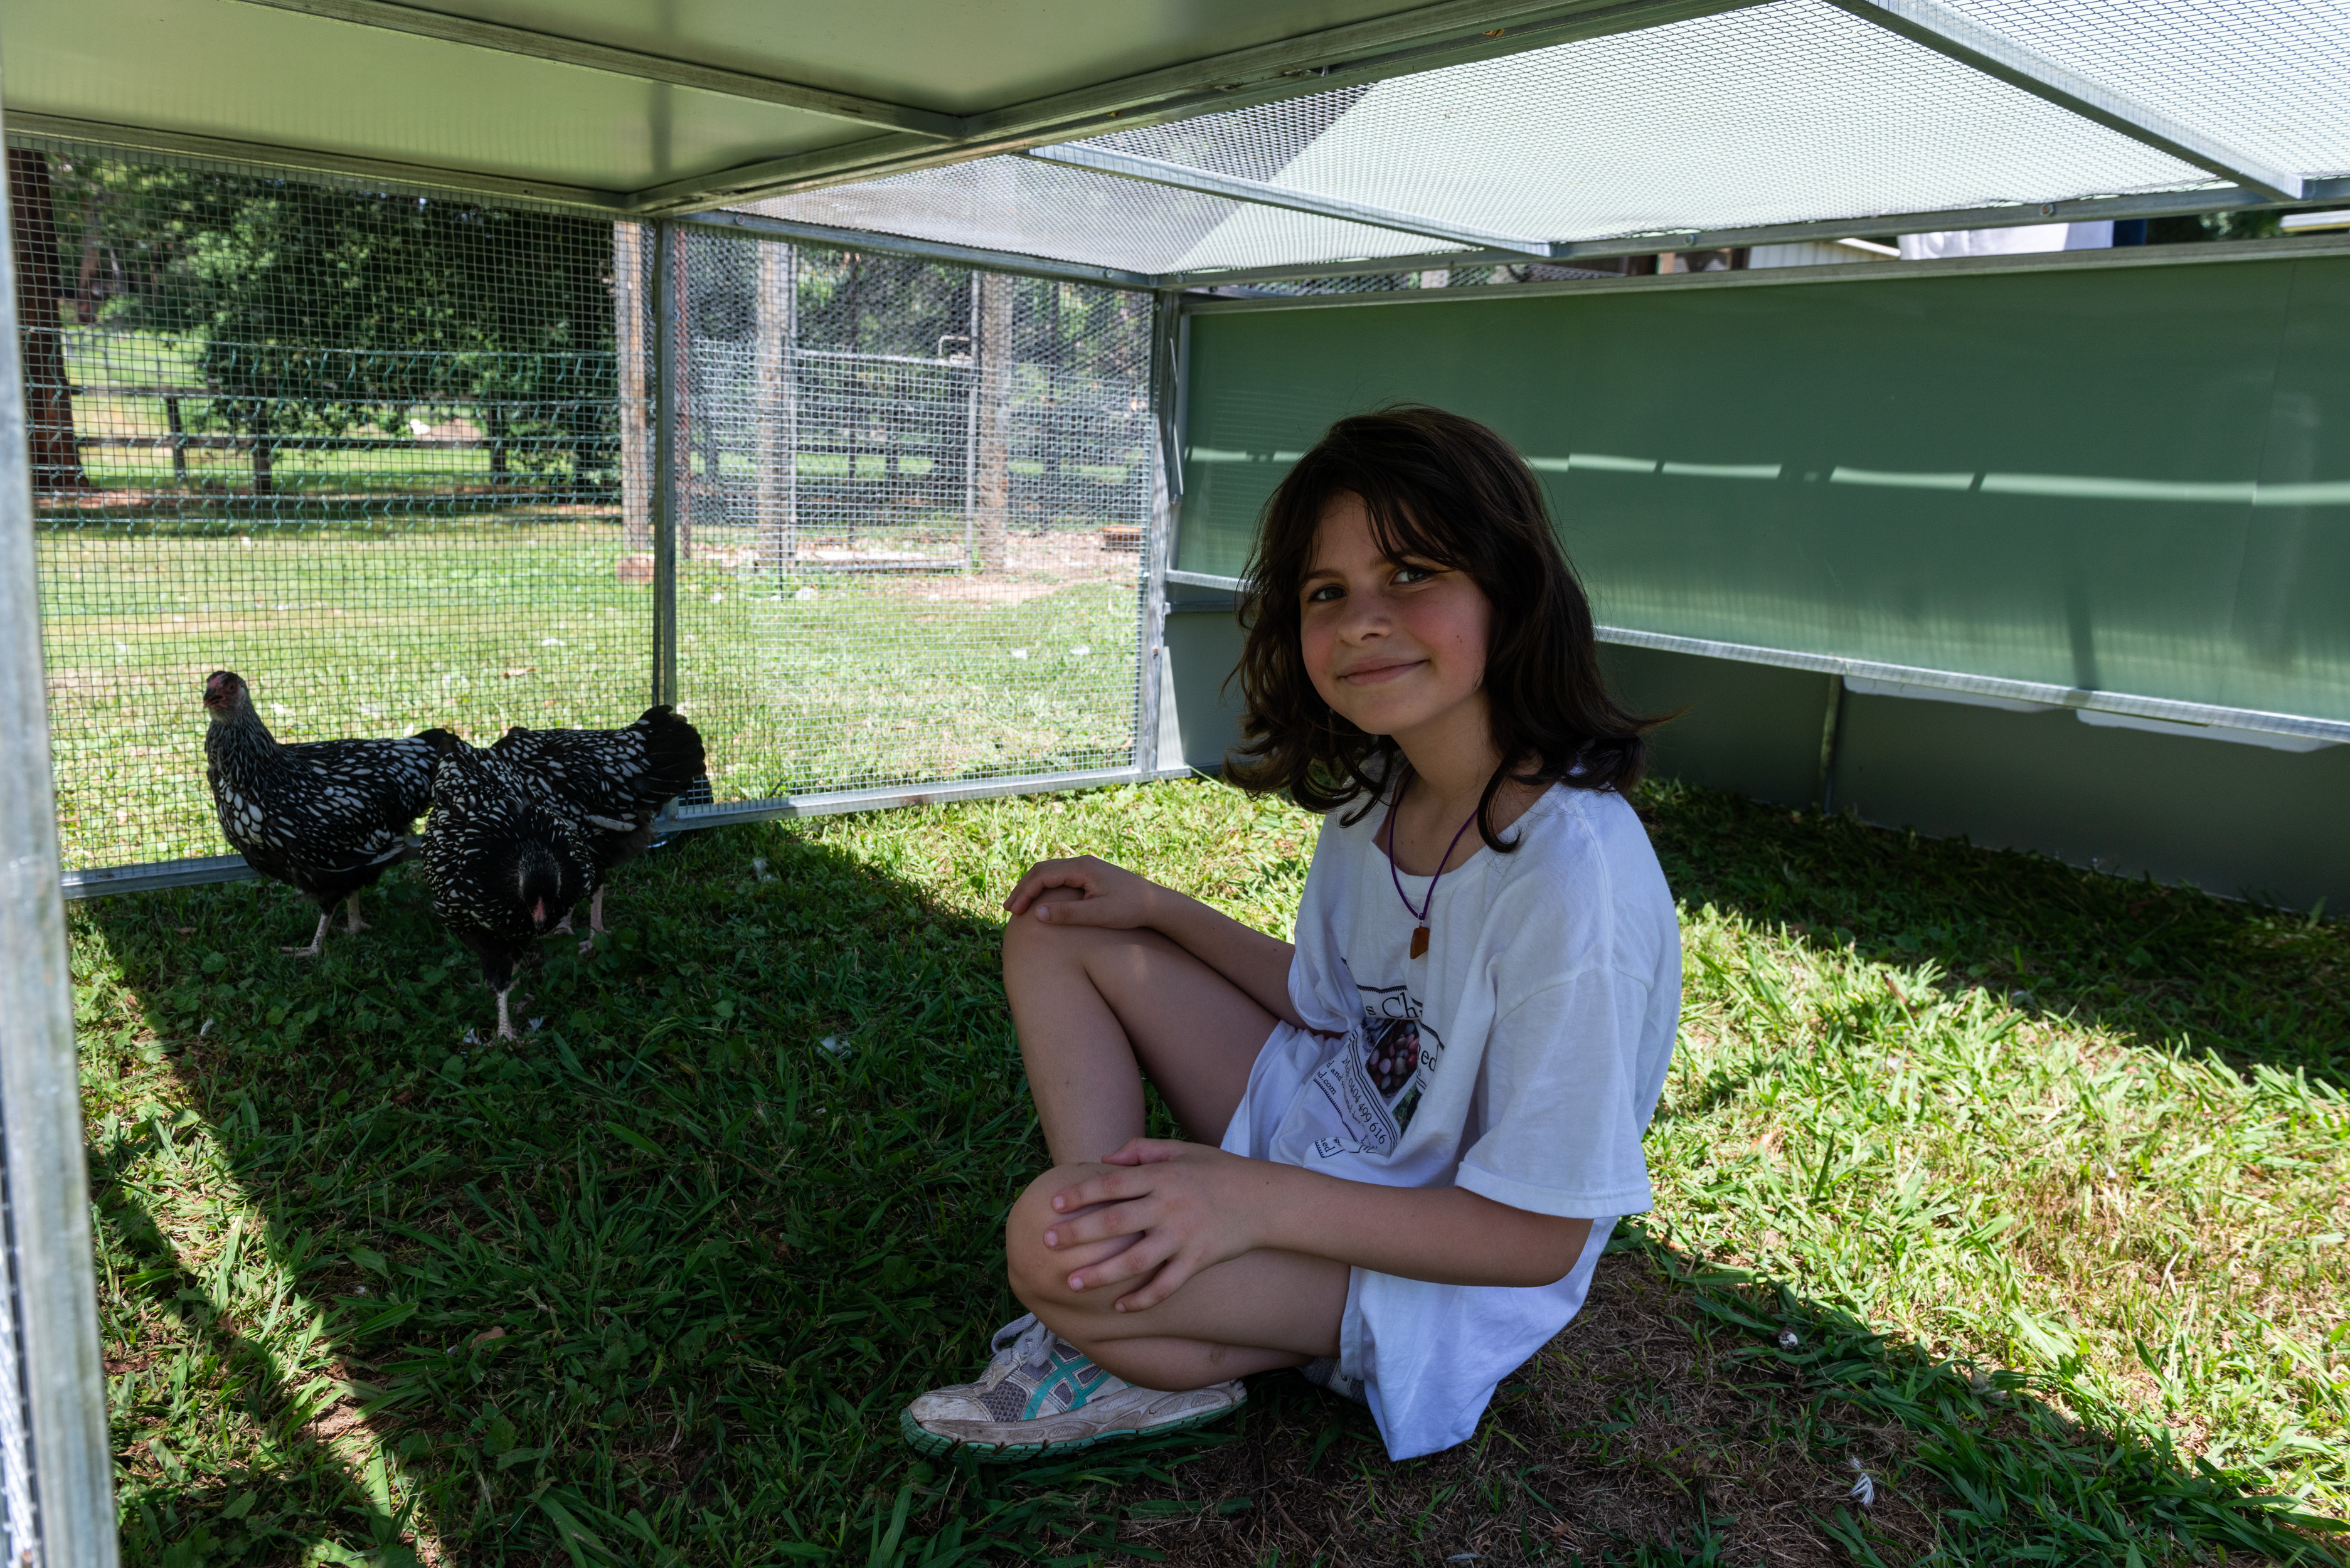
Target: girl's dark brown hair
x=1446 y=492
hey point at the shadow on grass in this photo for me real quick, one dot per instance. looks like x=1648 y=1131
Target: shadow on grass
x=191 y=1519
x=1698 y=1414
x=2160 y=966
x=657 y=1278
x=651 y=1285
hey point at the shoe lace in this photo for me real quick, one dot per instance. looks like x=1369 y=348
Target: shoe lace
x=1032 y=1346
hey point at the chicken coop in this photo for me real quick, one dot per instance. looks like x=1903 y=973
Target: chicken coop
x=1944 y=400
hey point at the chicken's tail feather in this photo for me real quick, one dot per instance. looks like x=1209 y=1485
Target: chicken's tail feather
x=673 y=752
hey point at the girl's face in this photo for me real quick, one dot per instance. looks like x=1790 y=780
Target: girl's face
x=1397 y=646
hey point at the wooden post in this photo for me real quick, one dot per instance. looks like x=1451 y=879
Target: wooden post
x=40 y=277
x=994 y=353
x=179 y=442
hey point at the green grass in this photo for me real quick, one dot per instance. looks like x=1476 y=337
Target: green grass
x=2062 y=1269
x=867 y=679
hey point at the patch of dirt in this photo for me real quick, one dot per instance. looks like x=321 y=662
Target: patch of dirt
x=1627 y=1429
x=1034 y=566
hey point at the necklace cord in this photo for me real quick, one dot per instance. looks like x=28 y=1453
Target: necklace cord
x=1395 y=876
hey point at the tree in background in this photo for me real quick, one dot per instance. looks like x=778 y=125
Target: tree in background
x=40 y=285
x=318 y=313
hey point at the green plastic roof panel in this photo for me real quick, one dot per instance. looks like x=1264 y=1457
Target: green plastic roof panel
x=616 y=105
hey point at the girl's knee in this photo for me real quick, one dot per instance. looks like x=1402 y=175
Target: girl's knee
x=1026 y=938
x=1036 y=1271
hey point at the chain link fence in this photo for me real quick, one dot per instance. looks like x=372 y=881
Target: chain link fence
x=395 y=458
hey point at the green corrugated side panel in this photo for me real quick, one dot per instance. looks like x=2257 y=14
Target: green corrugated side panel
x=2045 y=477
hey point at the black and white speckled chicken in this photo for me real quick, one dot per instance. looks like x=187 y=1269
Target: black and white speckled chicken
x=501 y=867
x=607 y=787
x=327 y=817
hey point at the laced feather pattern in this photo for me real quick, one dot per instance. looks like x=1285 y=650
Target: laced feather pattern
x=502 y=869
x=326 y=818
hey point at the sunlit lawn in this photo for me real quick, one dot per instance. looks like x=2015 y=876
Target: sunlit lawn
x=823 y=680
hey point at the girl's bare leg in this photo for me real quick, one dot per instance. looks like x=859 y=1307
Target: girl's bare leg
x=1099 y=1010
x=1262 y=1310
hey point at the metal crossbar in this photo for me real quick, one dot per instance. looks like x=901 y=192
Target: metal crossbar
x=1263 y=194
x=2039 y=692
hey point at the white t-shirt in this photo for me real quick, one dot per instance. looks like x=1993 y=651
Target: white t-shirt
x=1521 y=1058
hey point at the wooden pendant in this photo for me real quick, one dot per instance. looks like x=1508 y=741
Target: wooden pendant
x=1419 y=941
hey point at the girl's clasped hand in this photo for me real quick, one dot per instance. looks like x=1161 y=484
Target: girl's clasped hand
x=1112 y=897
x=1188 y=1207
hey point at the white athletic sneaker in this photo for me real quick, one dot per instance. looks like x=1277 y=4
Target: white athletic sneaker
x=1042 y=1396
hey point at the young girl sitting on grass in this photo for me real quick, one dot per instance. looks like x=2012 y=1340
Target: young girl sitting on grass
x=1414 y=1127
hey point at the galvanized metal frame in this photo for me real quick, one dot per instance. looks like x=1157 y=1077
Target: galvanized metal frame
x=1960 y=37
x=952 y=255
x=48 y=1287
x=2180 y=204
x=1263 y=194
x=610 y=204
x=206 y=869
x=2082 y=210
x=1422 y=38
x=1166 y=493
x=634 y=63
x=889 y=797
x=669 y=340
x=2229 y=254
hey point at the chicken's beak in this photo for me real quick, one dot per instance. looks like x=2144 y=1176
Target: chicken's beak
x=538 y=914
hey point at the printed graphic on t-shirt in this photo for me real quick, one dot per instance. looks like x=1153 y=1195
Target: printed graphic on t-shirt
x=1375 y=1079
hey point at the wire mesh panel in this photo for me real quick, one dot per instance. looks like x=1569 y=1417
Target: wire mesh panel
x=1792 y=113
x=1784 y=113
x=2266 y=76
x=916 y=503
x=364 y=448
x=1013 y=204
x=393 y=458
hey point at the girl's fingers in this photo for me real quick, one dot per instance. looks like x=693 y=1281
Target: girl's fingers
x=1101 y=1225
x=1148 y=1151
x=1158 y=1287
x=1133 y=1263
x=1115 y=1187
x=1041 y=877
x=1084 y=911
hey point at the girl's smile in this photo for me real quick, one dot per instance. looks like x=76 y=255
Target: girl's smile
x=1378 y=670
x=1395 y=647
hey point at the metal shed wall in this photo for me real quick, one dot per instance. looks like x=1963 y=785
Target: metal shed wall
x=2111 y=480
